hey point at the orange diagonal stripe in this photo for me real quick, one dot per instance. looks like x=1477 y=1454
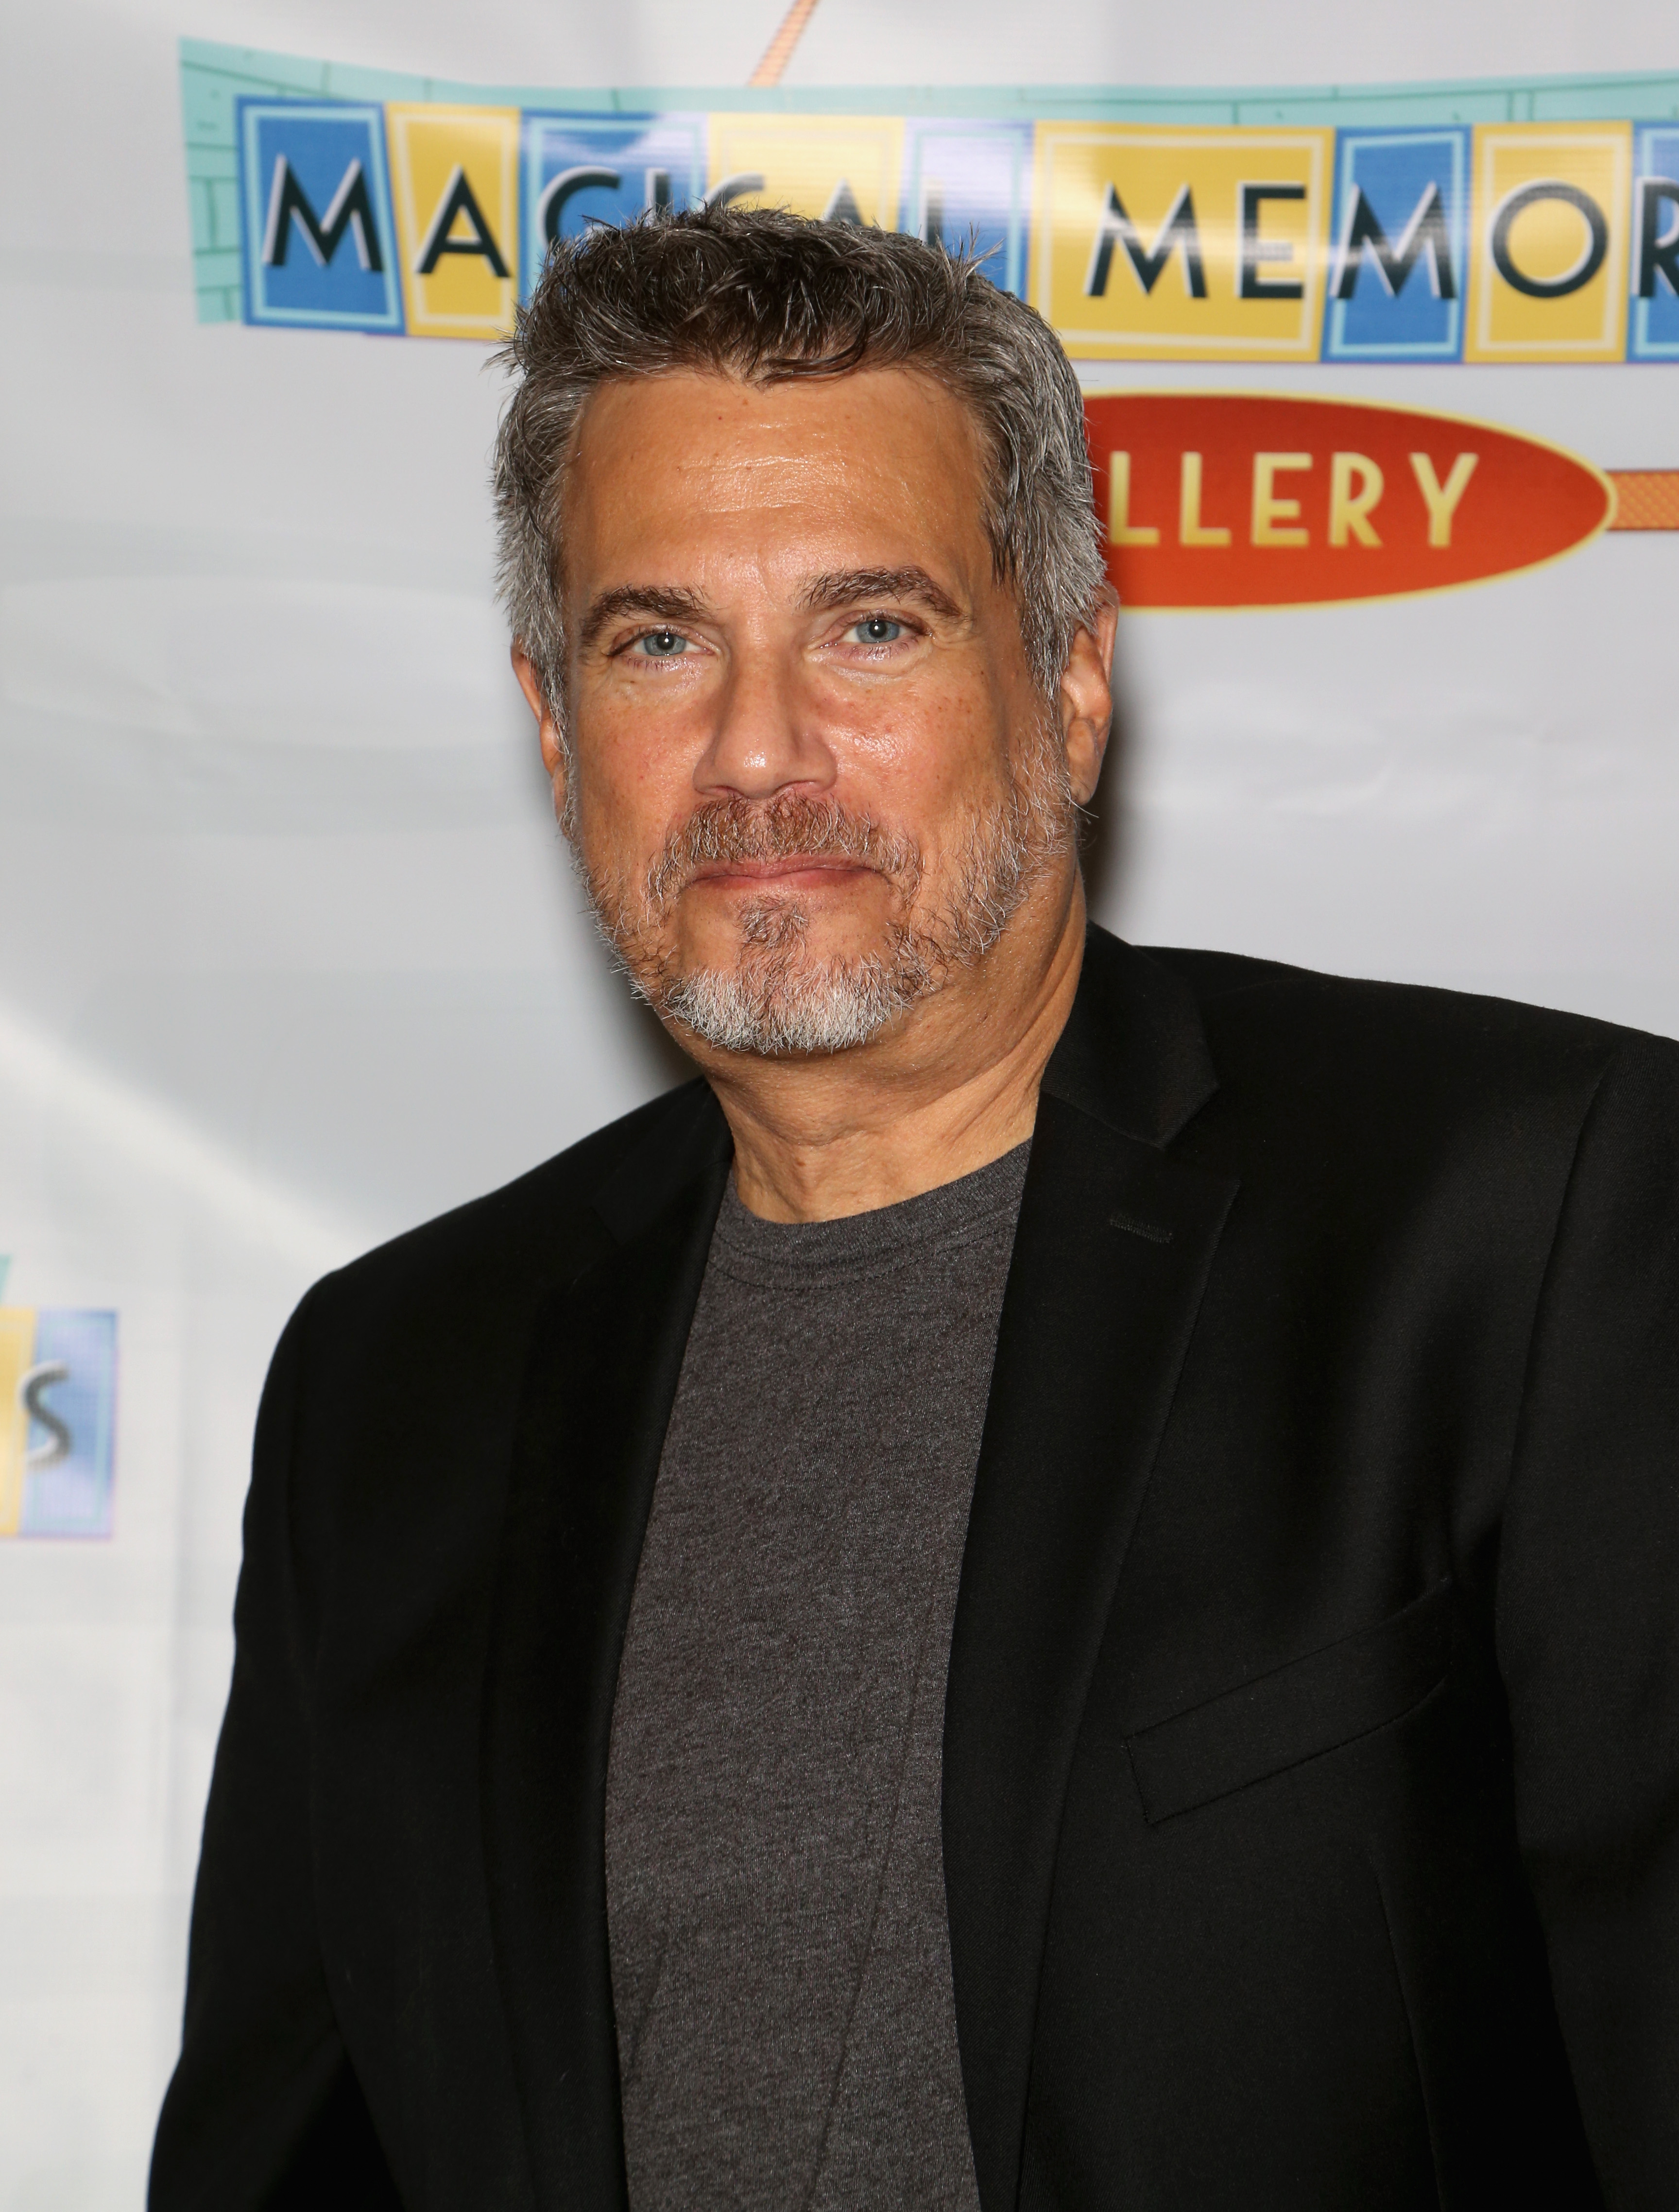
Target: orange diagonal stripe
x=779 y=52
x=1644 y=498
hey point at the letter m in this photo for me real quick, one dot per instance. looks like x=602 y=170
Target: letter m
x=1178 y=233
x=351 y=209
x=1362 y=238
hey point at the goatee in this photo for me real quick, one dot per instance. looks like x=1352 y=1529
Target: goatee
x=775 y=998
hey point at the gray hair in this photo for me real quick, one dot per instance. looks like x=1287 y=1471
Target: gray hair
x=767 y=297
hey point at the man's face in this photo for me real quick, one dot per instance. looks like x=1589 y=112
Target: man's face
x=812 y=775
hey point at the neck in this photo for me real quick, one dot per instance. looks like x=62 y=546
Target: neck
x=951 y=1089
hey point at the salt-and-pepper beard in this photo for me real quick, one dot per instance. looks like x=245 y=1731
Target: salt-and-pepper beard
x=776 y=1000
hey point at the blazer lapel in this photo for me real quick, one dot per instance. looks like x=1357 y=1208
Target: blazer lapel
x=1111 y=1254
x=606 y=1355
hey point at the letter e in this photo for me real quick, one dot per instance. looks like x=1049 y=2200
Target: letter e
x=1275 y=520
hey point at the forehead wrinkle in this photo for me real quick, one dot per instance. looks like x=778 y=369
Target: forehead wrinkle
x=671 y=602
x=841 y=586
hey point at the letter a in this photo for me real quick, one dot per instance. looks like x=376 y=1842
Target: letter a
x=842 y=206
x=457 y=200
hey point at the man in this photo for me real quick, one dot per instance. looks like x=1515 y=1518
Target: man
x=1053 y=1588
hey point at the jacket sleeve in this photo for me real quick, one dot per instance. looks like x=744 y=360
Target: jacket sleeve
x=1588 y=1623
x=263 y=2109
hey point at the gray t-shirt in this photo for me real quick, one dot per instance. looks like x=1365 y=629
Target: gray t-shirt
x=774 y=1870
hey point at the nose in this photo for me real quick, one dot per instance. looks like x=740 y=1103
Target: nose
x=766 y=739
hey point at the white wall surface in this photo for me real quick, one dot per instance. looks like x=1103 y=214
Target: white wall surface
x=290 y=955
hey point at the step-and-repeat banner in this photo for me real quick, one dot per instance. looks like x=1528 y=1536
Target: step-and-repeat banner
x=292 y=957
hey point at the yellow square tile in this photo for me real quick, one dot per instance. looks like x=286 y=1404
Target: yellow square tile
x=454 y=179
x=841 y=167
x=1548 y=225
x=17 y=1350
x=1161 y=243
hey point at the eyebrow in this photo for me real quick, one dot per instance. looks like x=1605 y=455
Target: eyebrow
x=839 y=587
x=845 y=586
x=666 y=602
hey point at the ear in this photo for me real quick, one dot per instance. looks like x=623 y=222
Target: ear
x=548 y=735
x=1087 y=698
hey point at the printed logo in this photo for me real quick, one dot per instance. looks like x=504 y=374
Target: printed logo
x=1550 y=280
x=970 y=184
x=454 y=174
x=1238 y=500
x=318 y=249
x=1399 y=246
x=1187 y=244
x=843 y=167
x=57 y=1403
x=580 y=169
x=1552 y=241
x=1654 y=335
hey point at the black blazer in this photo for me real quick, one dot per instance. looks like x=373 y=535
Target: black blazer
x=1311 y=1747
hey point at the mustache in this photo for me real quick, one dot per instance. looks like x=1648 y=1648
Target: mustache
x=791 y=826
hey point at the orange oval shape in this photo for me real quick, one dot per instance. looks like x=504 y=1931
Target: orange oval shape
x=1222 y=499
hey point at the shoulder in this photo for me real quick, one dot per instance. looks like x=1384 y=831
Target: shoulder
x=389 y=1420
x=1404 y=1063
x=513 y=1245
x=1266 y=1005
x=392 y=1398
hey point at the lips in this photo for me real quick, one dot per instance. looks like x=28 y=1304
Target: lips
x=795 y=842
x=779 y=869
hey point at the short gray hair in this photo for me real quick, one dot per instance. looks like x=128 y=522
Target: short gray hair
x=767 y=297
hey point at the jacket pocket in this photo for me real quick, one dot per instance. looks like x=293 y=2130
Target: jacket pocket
x=1296 y=1712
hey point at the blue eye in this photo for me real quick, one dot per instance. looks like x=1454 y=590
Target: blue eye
x=661 y=644
x=877 y=629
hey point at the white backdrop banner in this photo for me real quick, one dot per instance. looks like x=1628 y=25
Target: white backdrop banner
x=292 y=956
